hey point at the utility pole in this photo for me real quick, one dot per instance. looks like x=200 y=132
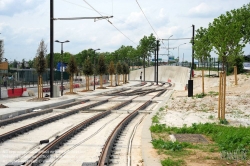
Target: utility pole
x=190 y=82
x=52 y=38
x=157 y=49
x=51 y=47
x=155 y=65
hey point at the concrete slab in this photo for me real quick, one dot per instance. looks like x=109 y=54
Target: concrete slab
x=121 y=98
x=158 y=99
x=142 y=98
x=23 y=107
x=173 y=74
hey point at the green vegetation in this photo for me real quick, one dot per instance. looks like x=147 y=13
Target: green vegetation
x=201 y=95
x=170 y=162
x=169 y=145
x=227 y=138
x=212 y=93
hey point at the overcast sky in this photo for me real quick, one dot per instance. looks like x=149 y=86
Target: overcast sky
x=23 y=23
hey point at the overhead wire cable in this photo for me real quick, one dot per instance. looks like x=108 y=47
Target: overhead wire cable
x=110 y=22
x=147 y=19
x=149 y=22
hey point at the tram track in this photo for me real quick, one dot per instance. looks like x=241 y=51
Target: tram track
x=67 y=134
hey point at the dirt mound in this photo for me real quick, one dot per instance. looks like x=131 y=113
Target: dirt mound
x=3 y=106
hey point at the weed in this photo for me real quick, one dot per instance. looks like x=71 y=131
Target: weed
x=161 y=109
x=155 y=119
x=166 y=106
x=201 y=95
x=169 y=145
x=223 y=121
x=212 y=93
x=170 y=162
x=211 y=117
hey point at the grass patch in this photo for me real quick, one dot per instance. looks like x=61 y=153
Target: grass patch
x=227 y=138
x=171 y=162
x=200 y=95
x=213 y=93
x=155 y=119
x=169 y=145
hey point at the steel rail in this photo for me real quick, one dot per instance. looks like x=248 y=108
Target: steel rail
x=109 y=147
x=39 y=123
x=34 y=114
x=45 y=152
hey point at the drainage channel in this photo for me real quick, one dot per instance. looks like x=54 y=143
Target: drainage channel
x=39 y=123
x=48 y=150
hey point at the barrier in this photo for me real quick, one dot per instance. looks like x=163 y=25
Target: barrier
x=16 y=92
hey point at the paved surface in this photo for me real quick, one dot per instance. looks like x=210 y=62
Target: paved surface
x=176 y=74
x=19 y=104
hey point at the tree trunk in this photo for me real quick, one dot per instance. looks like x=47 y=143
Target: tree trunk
x=86 y=80
x=71 y=83
x=203 y=91
x=38 y=86
x=123 y=79
x=111 y=80
x=118 y=79
x=101 y=81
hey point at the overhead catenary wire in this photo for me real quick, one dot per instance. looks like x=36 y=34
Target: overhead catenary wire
x=110 y=22
x=147 y=19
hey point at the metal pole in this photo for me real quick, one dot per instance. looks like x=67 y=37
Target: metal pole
x=155 y=66
x=51 y=47
x=157 y=49
x=193 y=49
x=61 y=69
x=190 y=82
x=94 y=71
x=144 y=68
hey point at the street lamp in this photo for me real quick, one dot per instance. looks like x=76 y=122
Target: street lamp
x=61 y=64
x=94 y=63
x=178 y=50
x=168 y=44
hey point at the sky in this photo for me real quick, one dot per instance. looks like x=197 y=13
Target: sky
x=24 y=23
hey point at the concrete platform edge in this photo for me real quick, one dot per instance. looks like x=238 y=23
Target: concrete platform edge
x=146 y=138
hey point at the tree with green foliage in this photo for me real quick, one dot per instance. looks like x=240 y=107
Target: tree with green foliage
x=225 y=35
x=119 y=71
x=111 y=70
x=87 y=71
x=101 y=68
x=40 y=66
x=126 y=72
x=71 y=69
x=202 y=46
x=146 y=46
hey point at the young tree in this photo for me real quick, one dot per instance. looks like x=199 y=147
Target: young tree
x=225 y=36
x=119 y=71
x=124 y=68
x=126 y=72
x=40 y=66
x=101 y=68
x=202 y=48
x=88 y=71
x=71 y=69
x=111 y=71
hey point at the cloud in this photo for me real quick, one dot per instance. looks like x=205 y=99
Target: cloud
x=203 y=10
x=10 y=7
